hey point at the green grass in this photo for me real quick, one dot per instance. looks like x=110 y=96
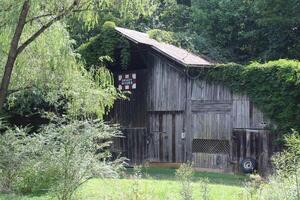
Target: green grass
x=156 y=183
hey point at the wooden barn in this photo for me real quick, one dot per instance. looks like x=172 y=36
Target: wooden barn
x=173 y=117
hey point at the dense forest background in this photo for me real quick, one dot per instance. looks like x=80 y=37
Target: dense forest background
x=225 y=30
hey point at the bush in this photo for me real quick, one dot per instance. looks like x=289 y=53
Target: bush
x=60 y=158
x=71 y=151
x=185 y=174
x=13 y=155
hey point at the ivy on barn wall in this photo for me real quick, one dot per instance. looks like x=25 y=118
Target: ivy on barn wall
x=105 y=44
x=274 y=87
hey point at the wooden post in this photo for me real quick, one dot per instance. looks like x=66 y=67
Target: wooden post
x=265 y=153
x=189 y=136
x=248 y=137
x=161 y=139
x=173 y=138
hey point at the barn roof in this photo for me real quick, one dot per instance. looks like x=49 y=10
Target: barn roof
x=177 y=54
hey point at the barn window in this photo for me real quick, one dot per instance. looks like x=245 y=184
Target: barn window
x=210 y=146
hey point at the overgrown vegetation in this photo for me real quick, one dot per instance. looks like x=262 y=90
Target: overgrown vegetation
x=58 y=159
x=56 y=83
x=185 y=175
x=273 y=86
x=106 y=43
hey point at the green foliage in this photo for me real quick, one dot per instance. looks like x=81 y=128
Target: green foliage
x=126 y=13
x=239 y=31
x=60 y=158
x=185 y=174
x=162 y=36
x=249 y=29
x=288 y=161
x=13 y=154
x=48 y=77
x=191 y=42
x=274 y=87
x=105 y=44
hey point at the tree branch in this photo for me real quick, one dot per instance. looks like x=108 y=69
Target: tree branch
x=46 y=26
x=8 y=8
x=13 y=52
x=3 y=24
x=19 y=89
x=38 y=17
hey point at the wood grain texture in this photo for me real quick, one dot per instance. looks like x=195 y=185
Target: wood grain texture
x=166 y=86
x=212 y=161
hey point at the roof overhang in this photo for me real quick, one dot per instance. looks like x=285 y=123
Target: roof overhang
x=179 y=55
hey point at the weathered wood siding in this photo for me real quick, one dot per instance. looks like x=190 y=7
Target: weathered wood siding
x=133 y=145
x=167 y=86
x=207 y=161
x=216 y=111
x=212 y=120
x=212 y=125
x=166 y=105
x=166 y=142
x=132 y=111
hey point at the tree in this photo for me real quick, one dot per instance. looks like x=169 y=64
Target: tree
x=45 y=14
x=57 y=13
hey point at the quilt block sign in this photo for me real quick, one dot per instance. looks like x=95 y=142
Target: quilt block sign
x=127 y=81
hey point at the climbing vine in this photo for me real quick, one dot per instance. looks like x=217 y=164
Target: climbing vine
x=274 y=87
x=106 y=44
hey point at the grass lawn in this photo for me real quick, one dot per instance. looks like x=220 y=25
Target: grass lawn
x=158 y=183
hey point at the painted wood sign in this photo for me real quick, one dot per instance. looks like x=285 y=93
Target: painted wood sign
x=127 y=81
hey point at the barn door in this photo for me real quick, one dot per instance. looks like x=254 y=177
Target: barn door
x=166 y=143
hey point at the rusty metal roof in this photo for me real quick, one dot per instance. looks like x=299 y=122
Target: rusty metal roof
x=177 y=54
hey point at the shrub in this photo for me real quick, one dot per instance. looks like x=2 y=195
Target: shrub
x=185 y=174
x=60 y=158
x=13 y=155
x=204 y=189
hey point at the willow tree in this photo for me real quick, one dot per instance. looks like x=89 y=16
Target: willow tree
x=35 y=17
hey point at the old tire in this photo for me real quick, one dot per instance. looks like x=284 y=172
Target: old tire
x=248 y=165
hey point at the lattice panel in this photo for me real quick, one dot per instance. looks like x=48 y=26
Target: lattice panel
x=210 y=146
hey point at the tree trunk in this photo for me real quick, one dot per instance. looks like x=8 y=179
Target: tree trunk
x=13 y=53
